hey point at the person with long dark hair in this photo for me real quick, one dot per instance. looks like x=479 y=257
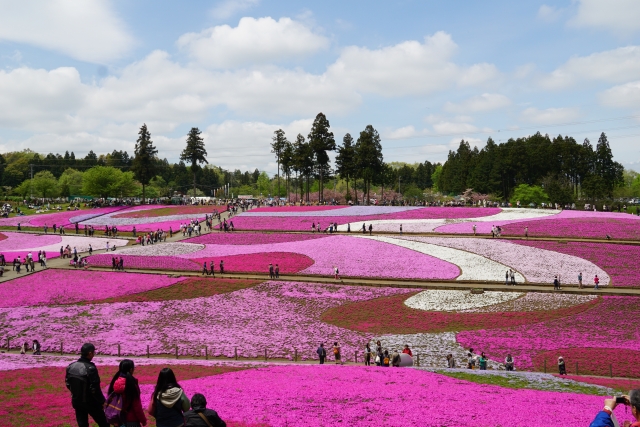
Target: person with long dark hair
x=168 y=401
x=123 y=382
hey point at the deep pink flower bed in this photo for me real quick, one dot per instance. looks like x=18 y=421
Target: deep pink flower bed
x=596 y=227
x=297 y=223
x=249 y=238
x=621 y=262
x=152 y=211
x=592 y=361
x=297 y=208
x=621 y=384
x=244 y=263
x=69 y=286
x=20 y=241
x=371 y=396
x=611 y=324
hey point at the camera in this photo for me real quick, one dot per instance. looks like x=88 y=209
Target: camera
x=621 y=399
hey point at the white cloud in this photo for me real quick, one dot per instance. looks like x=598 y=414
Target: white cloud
x=404 y=132
x=408 y=68
x=622 y=96
x=253 y=41
x=550 y=115
x=480 y=103
x=448 y=128
x=549 y=13
x=617 y=16
x=616 y=66
x=227 y=8
x=85 y=30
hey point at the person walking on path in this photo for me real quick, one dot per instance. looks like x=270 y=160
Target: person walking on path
x=556 y=283
x=336 y=354
x=508 y=362
x=200 y=416
x=205 y=271
x=336 y=273
x=562 y=367
x=407 y=350
x=168 y=401
x=83 y=381
x=474 y=229
x=212 y=268
x=401 y=229
x=370 y=229
x=277 y=271
x=367 y=355
x=322 y=353
x=596 y=281
x=125 y=384
x=580 y=280
x=526 y=233
x=364 y=228
x=221 y=267
x=513 y=277
x=506 y=278
x=483 y=362
x=271 y=274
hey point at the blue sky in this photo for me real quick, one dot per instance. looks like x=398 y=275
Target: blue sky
x=85 y=75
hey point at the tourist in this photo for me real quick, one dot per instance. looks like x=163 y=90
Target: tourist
x=400 y=229
x=168 y=400
x=124 y=383
x=506 y=278
x=379 y=353
x=513 y=277
x=407 y=350
x=313 y=227
x=24 y=348
x=204 y=269
x=221 y=267
x=200 y=416
x=212 y=267
x=474 y=229
x=483 y=362
x=526 y=233
x=370 y=229
x=596 y=281
x=336 y=354
x=271 y=273
x=556 y=283
x=580 y=280
x=367 y=355
x=322 y=353
x=451 y=362
x=562 y=367
x=471 y=360
x=36 y=347
x=336 y=273
x=385 y=359
x=395 y=359
x=83 y=382
x=605 y=418
x=364 y=228
x=508 y=362
x=90 y=249
x=277 y=271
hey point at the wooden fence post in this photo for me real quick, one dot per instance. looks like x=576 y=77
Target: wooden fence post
x=545 y=365
x=576 y=368
x=176 y=351
x=295 y=355
x=265 y=354
x=356 y=357
x=235 y=351
x=206 y=353
x=610 y=370
x=61 y=343
x=417 y=360
x=147 y=351
x=118 y=350
x=8 y=347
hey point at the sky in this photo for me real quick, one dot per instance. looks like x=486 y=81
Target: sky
x=86 y=75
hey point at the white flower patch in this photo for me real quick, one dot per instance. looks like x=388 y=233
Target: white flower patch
x=430 y=225
x=432 y=348
x=347 y=211
x=80 y=243
x=537 y=265
x=472 y=266
x=164 y=249
x=534 y=301
x=111 y=221
x=450 y=300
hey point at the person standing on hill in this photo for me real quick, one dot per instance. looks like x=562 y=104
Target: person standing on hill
x=277 y=271
x=337 y=354
x=271 y=274
x=596 y=281
x=83 y=382
x=221 y=267
x=322 y=353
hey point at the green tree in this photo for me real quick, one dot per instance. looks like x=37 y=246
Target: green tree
x=107 y=181
x=527 y=194
x=346 y=162
x=435 y=177
x=286 y=161
x=321 y=141
x=368 y=156
x=145 y=161
x=194 y=153
x=70 y=182
x=277 y=147
x=45 y=184
x=303 y=161
x=610 y=171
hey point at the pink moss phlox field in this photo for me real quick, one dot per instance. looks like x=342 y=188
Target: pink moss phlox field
x=276 y=316
x=298 y=208
x=22 y=241
x=621 y=262
x=71 y=286
x=352 y=256
x=286 y=262
x=58 y=218
x=170 y=263
x=297 y=223
x=20 y=244
x=249 y=238
x=373 y=396
x=516 y=226
x=626 y=227
x=611 y=324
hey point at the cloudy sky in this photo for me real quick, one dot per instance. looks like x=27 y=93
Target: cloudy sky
x=81 y=75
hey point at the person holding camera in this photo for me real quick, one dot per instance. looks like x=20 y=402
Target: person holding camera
x=605 y=418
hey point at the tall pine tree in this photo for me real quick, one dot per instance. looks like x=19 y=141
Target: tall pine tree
x=194 y=153
x=144 y=165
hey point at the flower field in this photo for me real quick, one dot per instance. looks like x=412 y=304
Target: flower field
x=19 y=244
x=64 y=218
x=624 y=227
x=160 y=211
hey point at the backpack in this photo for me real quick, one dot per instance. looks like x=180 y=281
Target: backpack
x=77 y=381
x=336 y=351
x=114 y=409
x=386 y=360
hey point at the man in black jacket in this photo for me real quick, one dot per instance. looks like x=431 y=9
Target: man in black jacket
x=200 y=416
x=83 y=382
